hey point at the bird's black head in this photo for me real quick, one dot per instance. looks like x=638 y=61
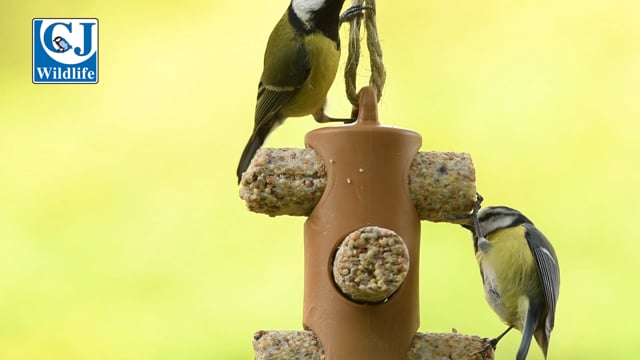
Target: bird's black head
x=316 y=15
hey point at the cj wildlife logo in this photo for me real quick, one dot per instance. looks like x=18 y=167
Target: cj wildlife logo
x=65 y=51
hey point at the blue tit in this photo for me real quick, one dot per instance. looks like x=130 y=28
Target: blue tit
x=300 y=64
x=520 y=273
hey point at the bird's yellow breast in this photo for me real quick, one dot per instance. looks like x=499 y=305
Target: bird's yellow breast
x=510 y=274
x=509 y=249
x=324 y=57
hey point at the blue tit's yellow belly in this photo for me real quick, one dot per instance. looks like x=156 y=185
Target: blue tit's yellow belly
x=509 y=274
x=324 y=57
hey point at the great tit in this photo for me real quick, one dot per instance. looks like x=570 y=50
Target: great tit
x=300 y=64
x=520 y=273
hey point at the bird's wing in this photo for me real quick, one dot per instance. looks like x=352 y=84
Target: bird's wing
x=286 y=68
x=548 y=270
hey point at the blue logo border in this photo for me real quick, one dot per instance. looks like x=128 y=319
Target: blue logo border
x=33 y=52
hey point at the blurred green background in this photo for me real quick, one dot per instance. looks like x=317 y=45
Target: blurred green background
x=121 y=232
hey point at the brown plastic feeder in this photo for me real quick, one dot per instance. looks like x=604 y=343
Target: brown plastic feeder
x=367 y=166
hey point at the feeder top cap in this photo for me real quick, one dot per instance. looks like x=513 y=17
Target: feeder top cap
x=368 y=106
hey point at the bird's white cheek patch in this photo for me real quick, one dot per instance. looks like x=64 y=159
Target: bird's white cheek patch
x=305 y=8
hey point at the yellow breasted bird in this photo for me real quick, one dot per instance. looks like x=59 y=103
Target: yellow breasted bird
x=520 y=273
x=300 y=64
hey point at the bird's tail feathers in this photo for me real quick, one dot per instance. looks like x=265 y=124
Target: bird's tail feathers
x=255 y=142
x=262 y=128
x=530 y=324
x=542 y=338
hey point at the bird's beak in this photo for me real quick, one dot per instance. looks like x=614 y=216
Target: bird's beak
x=464 y=220
x=468 y=221
x=468 y=226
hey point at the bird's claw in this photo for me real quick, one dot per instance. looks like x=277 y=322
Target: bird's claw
x=476 y=219
x=490 y=345
x=477 y=205
x=322 y=118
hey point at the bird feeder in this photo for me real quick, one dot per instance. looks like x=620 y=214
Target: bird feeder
x=365 y=188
